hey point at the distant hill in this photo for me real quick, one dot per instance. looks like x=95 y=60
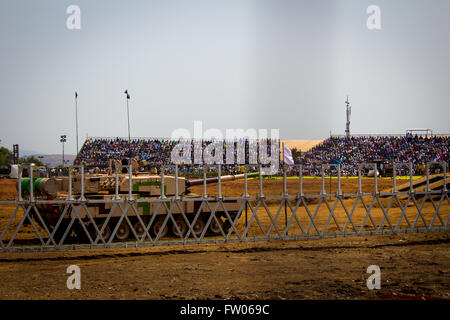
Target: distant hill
x=56 y=159
x=26 y=153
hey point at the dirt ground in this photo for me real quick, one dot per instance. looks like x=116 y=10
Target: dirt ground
x=413 y=265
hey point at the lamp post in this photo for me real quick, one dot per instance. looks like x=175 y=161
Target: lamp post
x=76 y=116
x=128 y=114
x=128 y=117
x=62 y=140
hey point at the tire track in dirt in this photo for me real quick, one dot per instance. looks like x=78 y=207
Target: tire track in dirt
x=227 y=250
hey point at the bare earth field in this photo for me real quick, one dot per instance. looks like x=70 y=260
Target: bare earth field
x=413 y=265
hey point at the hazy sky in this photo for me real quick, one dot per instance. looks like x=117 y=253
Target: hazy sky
x=283 y=64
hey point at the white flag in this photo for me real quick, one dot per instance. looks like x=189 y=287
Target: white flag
x=287 y=155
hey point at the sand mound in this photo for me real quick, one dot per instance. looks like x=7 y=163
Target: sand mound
x=303 y=145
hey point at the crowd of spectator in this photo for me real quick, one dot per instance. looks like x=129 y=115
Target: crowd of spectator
x=385 y=150
x=350 y=152
x=97 y=152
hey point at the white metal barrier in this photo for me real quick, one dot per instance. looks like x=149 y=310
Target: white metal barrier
x=255 y=217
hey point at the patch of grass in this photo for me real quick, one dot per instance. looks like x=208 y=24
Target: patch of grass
x=333 y=177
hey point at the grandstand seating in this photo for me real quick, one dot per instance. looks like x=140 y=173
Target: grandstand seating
x=350 y=151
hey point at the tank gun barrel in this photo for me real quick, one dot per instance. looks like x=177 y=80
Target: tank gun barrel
x=231 y=177
x=43 y=186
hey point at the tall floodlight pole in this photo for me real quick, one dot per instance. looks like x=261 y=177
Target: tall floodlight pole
x=348 y=112
x=76 y=117
x=128 y=115
x=62 y=140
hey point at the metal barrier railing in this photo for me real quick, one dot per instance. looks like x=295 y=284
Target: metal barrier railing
x=128 y=217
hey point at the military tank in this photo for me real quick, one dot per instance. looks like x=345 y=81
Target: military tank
x=143 y=185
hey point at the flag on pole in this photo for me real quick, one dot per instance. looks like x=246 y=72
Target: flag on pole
x=287 y=155
x=128 y=95
x=76 y=94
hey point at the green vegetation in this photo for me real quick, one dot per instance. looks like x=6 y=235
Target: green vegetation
x=6 y=156
x=328 y=177
x=31 y=159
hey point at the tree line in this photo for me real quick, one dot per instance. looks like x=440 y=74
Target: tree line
x=7 y=157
